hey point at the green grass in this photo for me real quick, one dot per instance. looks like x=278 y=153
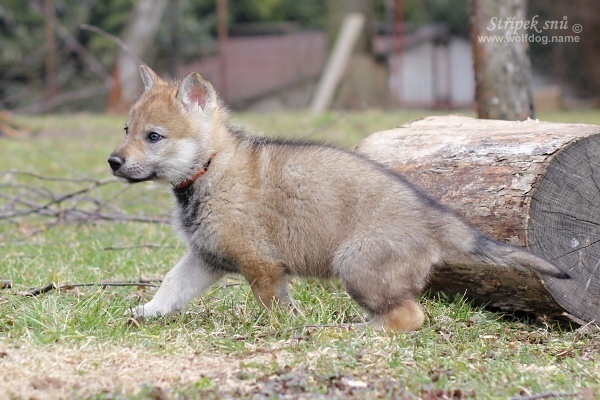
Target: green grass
x=462 y=350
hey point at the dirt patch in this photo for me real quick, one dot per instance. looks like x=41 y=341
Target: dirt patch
x=59 y=372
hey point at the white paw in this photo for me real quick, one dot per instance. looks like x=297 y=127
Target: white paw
x=146 y=311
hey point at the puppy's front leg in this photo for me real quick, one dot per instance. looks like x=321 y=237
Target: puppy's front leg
x=187 y=280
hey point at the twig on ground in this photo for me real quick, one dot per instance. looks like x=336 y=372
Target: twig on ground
x=226 y=285
x=345 y=327
x=52 y=286
x=48 y=178
x=141 y=246
x=545 y=396
x=79 y=205
x=589 y=328
x=64 y=197
x=37 y=291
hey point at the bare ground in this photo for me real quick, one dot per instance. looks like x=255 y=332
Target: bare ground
x=61 y=372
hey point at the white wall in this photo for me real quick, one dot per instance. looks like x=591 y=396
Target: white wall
x=427 y=69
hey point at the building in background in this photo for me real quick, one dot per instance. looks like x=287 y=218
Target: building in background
x=280 y=69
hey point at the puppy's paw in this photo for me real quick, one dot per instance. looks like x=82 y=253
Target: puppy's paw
x=294 y=308
x=134 y=316
x=137 y=313
x=145 y=311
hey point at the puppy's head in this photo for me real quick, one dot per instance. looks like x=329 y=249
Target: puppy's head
x=168 y=130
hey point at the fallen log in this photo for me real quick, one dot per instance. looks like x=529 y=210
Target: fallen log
x=530 y=183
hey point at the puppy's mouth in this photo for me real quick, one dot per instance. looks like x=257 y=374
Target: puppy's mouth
x=129 y=179
x=138 y=180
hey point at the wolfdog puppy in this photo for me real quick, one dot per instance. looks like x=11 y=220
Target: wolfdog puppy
x=268 y=209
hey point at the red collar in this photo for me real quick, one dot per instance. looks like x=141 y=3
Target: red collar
x=198 y=174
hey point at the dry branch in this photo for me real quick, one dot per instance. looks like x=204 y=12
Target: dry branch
x=141 y=246
x=39 y=290
x=103 y=284
x=143 y=282
x=79 y=205
x=61 y=99
x=549 y=395
x=115 y=39
x=75 y=46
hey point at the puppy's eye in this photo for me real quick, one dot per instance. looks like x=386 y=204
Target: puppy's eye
x=154 y=137
x=126 y=129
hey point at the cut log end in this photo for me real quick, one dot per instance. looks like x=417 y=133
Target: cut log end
x=564 y=225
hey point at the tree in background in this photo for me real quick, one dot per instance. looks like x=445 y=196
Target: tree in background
x=579 y=65
x=83 y=58
x=139 y=35
x=502 y=70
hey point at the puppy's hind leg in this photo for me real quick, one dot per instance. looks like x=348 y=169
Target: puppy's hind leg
x=188 y=279
x=383 y=282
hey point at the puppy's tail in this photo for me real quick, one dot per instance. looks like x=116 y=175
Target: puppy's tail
x=489 y=251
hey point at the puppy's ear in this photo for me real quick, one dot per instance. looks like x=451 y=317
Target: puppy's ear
x=149 y=77
x=195 y=91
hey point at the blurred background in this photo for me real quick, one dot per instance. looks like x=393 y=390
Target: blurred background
x=268 y=55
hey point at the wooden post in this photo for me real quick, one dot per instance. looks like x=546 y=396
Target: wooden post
x=336 y=64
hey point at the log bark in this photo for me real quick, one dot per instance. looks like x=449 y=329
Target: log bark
x=530 y=183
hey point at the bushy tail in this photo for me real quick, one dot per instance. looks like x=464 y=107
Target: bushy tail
x=490 y=251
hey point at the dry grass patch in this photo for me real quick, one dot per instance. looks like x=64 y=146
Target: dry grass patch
x=65 y=372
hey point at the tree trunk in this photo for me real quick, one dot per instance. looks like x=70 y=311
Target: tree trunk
x=174 y=37
x=139 y=36
x=502 y=68
x=531 y=183
x=50 y=48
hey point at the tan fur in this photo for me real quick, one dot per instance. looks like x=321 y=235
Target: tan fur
x=269 y=209
x=404 y=318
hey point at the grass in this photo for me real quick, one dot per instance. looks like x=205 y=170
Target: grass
x=76 y=343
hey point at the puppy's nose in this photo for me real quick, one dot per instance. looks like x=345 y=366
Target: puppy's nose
x=115 y=162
